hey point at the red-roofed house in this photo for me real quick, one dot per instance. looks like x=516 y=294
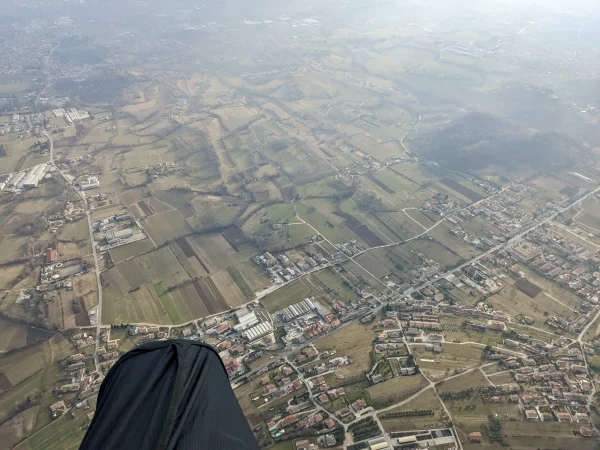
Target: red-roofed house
x=330 y=423
x=323 y=398
x=475 y=437
x=586 y=432
x=51 y=256
x=359 y=404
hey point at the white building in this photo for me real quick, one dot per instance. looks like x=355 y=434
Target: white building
x=89 y=183
x=34 y=176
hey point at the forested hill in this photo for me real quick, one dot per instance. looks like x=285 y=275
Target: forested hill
x=480 y=139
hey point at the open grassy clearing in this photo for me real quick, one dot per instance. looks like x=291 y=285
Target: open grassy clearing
x=426 y=400
x=64 y=433
x=262 y=222
x=354 y=340
x=502 y=378
x=469 y=380
x=333 y=280
x=454 y=243
x=395 y=390
x=516 y=304
x=454 y=357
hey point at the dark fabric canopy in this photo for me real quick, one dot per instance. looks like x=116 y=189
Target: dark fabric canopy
x=168 y=395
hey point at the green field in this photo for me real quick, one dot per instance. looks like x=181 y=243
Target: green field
x=289 y=294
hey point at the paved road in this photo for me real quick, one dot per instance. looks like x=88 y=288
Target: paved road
x=99 y=284
x=95 y=255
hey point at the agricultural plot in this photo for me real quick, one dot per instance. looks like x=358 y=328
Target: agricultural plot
x=289 y=294
x=236 y=117
x=13 y=247
x=214 y=212
x=436 y=252
x=160 y=265
x=398 y=225
x=9 y=274
x=461 y=189
x=393 y=182
x=14 y=335
x=531 y=436
x=64 y=433
x=372 y=265
x=156 y=288
x=127 y=251
x=470 y=412
x=166 y=226
x=319 y=213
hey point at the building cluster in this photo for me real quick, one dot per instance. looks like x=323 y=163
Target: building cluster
x=23 y=124
x=71 y=115
x=87 y=183
x=116 y=230
x=288 y=265
x=548 y=388
x=307 y=319
x=25 y=179
x=56 y=275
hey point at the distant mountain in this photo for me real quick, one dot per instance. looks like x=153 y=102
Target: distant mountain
x=480 y=139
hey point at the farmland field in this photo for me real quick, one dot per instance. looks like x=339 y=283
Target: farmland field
x=166 y=226
x=294 y=292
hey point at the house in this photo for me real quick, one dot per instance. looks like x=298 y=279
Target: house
x=496 y=399
x=316 y=418
x=359 y=404
x=90 y=416
x=475 y=437
x=377 y=378
x=58 y=406
x=330 y=440
x=342 y=412
x=531 y=414
x=51 y=256
x=330 y=423
x=586 y=432
x=323 y=398
x=302 y=445
x=563 y=417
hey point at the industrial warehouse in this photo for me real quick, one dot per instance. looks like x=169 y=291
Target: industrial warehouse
x=26 y=179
